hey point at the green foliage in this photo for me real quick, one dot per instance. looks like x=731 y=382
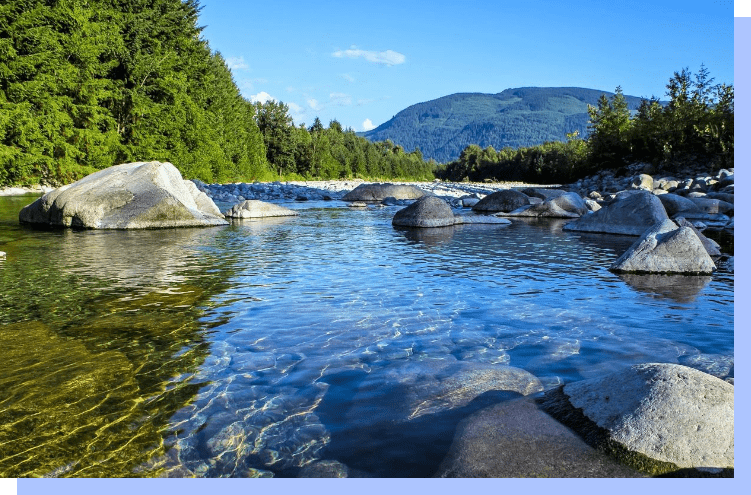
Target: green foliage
x=86 y=84
x=695 y=127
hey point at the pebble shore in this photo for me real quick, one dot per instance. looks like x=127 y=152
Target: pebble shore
x=336 y=189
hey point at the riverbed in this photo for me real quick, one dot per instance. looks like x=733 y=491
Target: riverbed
x=267 y=347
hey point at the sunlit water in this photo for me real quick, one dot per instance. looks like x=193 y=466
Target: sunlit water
x=264 y=347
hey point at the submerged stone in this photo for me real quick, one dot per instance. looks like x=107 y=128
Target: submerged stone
x=515 y=439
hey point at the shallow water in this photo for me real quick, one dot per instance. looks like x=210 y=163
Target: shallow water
x=264 y=347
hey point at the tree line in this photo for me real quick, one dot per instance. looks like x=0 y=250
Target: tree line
x=87 y=84
x=694 y=127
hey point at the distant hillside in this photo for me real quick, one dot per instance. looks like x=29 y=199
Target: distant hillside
x=442 y=128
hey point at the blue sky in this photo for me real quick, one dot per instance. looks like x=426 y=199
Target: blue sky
x=362 y=63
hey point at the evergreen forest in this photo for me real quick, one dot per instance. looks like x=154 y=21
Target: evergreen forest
x=87 y=84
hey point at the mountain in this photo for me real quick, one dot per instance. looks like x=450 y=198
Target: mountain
x=442 y=128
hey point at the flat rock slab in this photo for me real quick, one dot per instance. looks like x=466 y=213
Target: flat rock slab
x=516 y=439
x=379 y=192
x=252 y=208
x=678 y=416
x=666 y=248
x=141 y=195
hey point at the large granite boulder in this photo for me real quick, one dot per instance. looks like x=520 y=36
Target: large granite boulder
x=379 y=192
x=252 y=208
x=504 y=200
x=141 y=195
x=515 y=439
x=428 y=211
x=666 y=248
x=628 y=214
x=661 y=417
x=566 y=205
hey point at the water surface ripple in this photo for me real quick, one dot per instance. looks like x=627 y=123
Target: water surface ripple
x=265 y=347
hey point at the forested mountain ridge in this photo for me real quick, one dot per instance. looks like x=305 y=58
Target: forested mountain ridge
x=519 y=117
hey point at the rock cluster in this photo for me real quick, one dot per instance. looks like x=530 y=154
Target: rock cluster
x=698 y=196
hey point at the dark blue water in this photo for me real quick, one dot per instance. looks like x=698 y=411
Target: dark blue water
x=261 y=348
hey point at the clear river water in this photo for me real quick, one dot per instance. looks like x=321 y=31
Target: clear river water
x=261 y=348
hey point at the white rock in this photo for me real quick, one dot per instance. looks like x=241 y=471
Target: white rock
x=667 y=412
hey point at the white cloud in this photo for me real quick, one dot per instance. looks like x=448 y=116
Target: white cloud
x=340 y=99
x=261 y=97
x=236 y=63
x=367 y=125
x=313 y=103
x=389 y=57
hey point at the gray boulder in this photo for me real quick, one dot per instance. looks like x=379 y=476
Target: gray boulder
x=379 y=192
x=675 y=204
x=141 y=195
x=666 y=412
x=628 y=214
x=504 y=200
x=566 y=205
x=252 y=208
x=428 y=211
x=708 y=205
x=666 y=248
x=515 y=439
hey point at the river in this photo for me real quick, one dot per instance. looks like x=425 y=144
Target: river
x=264 y=347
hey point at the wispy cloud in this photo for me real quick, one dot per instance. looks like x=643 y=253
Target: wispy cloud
x=388 y=57
x=313 y=103
x=236 y=63
x=367 y=125
x=348 y=77
x=340 y=99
